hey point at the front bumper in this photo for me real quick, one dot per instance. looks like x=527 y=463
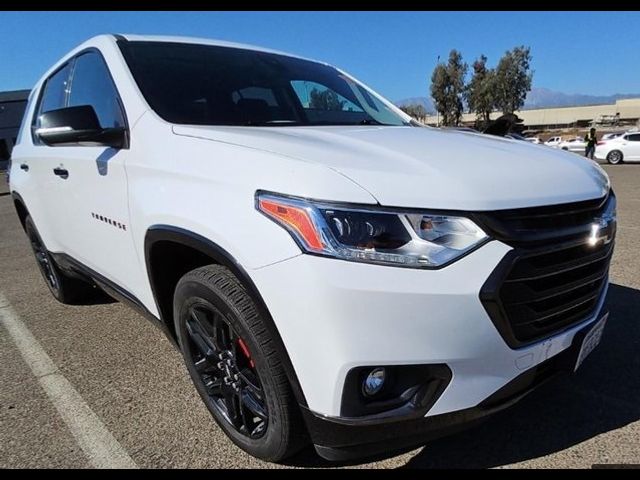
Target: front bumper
x=337 y=440
x=335 y=315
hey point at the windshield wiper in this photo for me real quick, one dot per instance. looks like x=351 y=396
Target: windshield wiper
x=254 y=123
x=369 y=121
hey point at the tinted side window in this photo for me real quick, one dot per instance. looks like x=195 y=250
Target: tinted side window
x=54 y=92
x=91 y=84
x=634 y=138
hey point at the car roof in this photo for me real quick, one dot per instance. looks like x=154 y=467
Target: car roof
x=207 y=41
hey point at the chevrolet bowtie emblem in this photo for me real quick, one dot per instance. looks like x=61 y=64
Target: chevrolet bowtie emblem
x=601 y=230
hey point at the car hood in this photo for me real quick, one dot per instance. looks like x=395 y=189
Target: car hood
x=428 y=167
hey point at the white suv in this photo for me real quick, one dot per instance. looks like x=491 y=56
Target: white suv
x=332 y=271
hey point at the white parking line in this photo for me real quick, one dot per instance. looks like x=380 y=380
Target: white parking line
x=98 y=444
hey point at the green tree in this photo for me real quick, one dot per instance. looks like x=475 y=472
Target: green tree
x=417 y=111
x=513 y=79
x=325 y=100
x=481 y=92
x=447 y=88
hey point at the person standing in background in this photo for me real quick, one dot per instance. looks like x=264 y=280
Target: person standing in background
x=591 y=141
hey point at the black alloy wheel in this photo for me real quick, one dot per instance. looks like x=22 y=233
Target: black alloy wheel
x=44 y=262
x=231 y=354
x=226 y=370
x=65 y=289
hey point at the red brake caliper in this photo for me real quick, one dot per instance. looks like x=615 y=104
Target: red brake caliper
x=245 y=350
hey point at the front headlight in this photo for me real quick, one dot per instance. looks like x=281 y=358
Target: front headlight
x=373 y=235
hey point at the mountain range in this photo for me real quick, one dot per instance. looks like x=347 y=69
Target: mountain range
x=539 y=98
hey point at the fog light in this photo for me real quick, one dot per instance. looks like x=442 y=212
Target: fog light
x=374 y=382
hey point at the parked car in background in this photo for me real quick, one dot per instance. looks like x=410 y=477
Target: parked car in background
x=577 y=145
x=625 y=148
x=535 y=140
x=553 y=142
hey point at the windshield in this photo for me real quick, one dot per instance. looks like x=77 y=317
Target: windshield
x=214 y=85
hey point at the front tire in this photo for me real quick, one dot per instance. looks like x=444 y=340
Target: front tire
x=65 y=289
x=614 y=157
x=233 y=363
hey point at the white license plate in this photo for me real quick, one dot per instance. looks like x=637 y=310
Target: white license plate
x=591 y=341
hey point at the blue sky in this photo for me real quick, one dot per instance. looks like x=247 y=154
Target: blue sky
x=393 y=52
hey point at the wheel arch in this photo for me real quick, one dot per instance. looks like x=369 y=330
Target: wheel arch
x=21 y=208
x=190 y=250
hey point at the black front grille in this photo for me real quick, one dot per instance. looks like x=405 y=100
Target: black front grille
x=553 y=278
x=544 y=225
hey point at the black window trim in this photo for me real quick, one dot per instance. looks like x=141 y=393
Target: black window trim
x=72 y=63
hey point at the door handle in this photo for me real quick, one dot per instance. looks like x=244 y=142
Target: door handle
x=61 y=172
x=24 y=167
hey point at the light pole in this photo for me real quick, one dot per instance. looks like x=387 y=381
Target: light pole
x=434 y=100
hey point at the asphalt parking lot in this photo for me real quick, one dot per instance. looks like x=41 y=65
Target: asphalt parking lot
x=134 y=385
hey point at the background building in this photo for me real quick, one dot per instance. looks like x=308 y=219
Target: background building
x=12 y=105
x=622 y=113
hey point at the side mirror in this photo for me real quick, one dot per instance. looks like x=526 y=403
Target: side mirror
x=78 y=125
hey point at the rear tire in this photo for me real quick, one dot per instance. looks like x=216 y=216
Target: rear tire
x=64 y=288
x=234 y=365
x=614 y=157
